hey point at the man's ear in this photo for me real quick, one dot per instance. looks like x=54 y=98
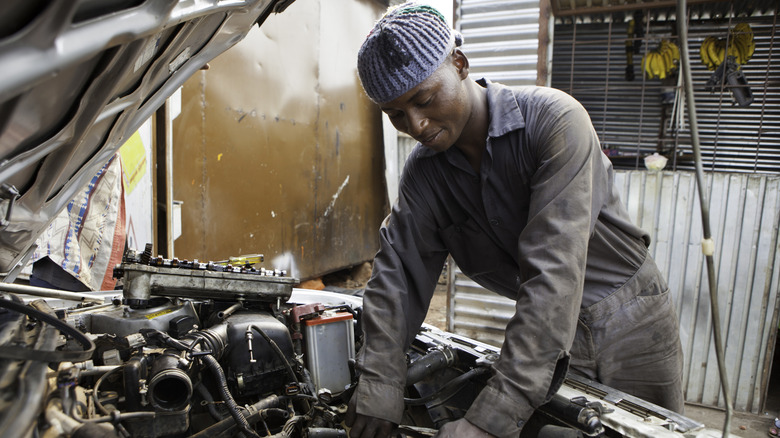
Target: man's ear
x=461 y=62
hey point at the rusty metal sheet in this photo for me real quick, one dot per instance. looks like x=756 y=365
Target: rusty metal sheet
x=278 y=151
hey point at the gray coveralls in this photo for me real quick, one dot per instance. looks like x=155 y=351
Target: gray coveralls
x=542 y=224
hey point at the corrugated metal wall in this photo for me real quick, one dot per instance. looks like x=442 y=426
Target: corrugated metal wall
x=500 y=39
x=589 y=62
x=745 y=216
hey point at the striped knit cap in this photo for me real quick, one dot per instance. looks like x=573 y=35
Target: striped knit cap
x=405 y=46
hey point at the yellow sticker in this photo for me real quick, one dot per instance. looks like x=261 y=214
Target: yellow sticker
x=160 y=313
x=133 y=161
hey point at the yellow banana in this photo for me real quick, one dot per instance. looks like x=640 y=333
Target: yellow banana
x=646 y=65
x=651 y=63
x=742 y=35
x=668 y=62
x=733 y=50
x=721 y=51
x=659 y=68
x=751 y=49
x=667 y=54
x=744 y=29
x=675 y=51
x=669 y=58
x=652 y=60
x=746 y=36
x=738 y=45
x=705 y=52
x=712 y=51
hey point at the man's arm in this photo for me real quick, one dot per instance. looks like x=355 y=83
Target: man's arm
x=564 y=206
x=395 y=303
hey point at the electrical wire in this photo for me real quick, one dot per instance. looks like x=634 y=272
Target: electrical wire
x=277 y=350
x=96 y=391
x=20 y=353
x=682 y=31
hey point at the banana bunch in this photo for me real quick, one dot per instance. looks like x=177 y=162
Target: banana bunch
x=741 y=46
x=661 y=61
x=742 y=42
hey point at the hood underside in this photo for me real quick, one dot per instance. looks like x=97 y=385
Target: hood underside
x=79 y=77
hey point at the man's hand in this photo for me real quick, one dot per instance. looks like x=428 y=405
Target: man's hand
x=461 y=429
x=362 y=426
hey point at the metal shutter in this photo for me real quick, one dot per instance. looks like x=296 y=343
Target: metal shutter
x=589 y=62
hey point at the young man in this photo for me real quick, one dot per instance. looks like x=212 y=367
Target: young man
x=513 y=184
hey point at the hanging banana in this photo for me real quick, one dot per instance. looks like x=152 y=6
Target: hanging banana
x=741 y=45
x=661 y=61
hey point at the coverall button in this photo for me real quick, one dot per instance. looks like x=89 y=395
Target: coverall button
x=495 y=221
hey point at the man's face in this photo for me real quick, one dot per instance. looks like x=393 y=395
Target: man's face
x=435 y=111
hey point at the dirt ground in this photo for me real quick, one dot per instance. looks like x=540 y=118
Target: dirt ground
x=357 y=277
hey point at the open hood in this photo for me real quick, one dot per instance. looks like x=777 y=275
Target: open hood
x=79 y=77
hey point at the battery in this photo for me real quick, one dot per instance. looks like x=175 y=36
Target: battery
x=330 y=344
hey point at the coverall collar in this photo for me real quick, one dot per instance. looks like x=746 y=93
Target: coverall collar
x=500 y=98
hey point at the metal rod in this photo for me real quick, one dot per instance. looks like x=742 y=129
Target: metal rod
x=682 y=30
x=48 y=293
x=766 y=81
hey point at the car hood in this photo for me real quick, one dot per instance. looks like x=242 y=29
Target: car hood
x=79 y=77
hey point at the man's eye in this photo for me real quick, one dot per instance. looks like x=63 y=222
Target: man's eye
x=426 y=102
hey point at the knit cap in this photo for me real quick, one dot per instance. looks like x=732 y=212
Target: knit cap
x=405 y=46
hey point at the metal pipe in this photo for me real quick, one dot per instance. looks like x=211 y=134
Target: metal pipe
x=48 y=293
x=707 y=245
x=91 y=308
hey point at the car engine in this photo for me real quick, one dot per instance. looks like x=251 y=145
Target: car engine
x=193 y=349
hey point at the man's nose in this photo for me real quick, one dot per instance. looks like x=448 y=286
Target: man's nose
x=415 y=123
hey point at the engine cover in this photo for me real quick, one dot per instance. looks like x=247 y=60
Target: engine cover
x=124 y=321
x=261 y=369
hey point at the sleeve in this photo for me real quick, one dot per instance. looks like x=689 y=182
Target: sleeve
x=565 y=201
x=395 y=302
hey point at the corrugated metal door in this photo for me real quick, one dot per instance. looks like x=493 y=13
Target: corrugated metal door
x=500 y=39
x=745 y=216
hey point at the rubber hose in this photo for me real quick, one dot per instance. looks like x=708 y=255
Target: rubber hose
x=225 y=425
x=231 y=405
x=452 y=383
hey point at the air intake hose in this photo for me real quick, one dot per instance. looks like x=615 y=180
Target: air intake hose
x=170 y=386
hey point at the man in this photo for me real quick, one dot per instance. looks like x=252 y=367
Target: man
x=513 y=184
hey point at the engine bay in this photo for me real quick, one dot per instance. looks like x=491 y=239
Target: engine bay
x=194 y=349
